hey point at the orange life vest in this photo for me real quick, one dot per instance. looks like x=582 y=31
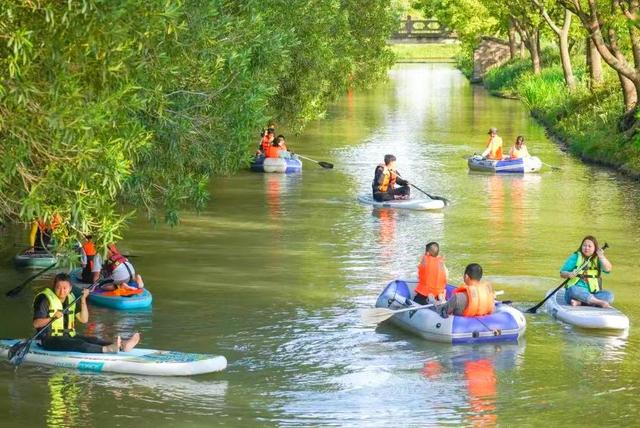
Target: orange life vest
x=389 y=179
x=480 y=299
x=431 y=276
x=496 y=152
x=272 y=152
x=264 y=144
x=515 y=153
x=90 y=252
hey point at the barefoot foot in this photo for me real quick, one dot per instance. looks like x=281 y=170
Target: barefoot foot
x=131 y=343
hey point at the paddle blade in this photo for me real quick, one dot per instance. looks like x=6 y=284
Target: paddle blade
x=18 y=351
x=325 y=165
x=441 y=198
x=375 y=315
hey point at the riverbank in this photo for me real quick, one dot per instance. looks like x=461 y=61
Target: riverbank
x=583 y=121
x=425 y=52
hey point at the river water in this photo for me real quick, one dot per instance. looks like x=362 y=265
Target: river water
x=272 y=275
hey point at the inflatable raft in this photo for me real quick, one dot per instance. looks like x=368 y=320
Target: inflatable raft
x=106 y=299
x=589 y=317
x=137 y=361
x=517 y=166
x=262 y=164
x=34 y=260
x=505 y=324
x=404 y=204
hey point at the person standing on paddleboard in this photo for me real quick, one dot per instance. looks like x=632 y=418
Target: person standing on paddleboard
x=385 y=179
x=59 y=302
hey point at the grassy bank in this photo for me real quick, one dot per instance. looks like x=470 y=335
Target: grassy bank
x=585 y=121
x=418 y=52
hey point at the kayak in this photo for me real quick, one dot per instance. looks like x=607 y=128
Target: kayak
x=137 y=361
x=103 y=298
x=406 y=204
x=590 y=317
x=262 y=164
x=505 y=324
x=34 y=260
x=518 y=166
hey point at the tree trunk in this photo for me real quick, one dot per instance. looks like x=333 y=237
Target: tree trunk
x=533 y=44
x=512 y=40
x=594 y=64
x=629 y=93
x=567 y=69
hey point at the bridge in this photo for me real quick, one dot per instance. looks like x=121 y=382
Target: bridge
x=422 y=31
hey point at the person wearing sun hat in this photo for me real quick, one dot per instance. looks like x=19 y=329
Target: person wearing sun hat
x=494 y=146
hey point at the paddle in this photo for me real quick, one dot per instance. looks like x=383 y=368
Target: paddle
x=440 y=198
x=554 y=168
x=16 y=290
x=18 y=351
x=377 y=315
x=323 y=164
x=584 y=265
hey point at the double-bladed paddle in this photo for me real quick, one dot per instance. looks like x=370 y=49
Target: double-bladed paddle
x=581 y=268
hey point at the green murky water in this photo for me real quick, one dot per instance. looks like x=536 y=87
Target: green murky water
x=273 y=273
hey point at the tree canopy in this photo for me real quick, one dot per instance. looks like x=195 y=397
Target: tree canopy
x=108 y=107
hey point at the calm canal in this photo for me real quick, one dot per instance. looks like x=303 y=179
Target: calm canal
x=273 y=273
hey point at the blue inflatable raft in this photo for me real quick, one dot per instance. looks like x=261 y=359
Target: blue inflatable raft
x=262 y=164
x=505 y=324
x=515 y=166
x=101 y=298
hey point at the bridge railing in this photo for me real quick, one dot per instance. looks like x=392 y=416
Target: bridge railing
x=422 y=29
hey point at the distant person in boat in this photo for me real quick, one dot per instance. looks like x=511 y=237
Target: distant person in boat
x=90 y=261
x=519 y=149
x=385 y=180
x=474 y=298
x=267 y=140
x=585 y=286
x=120 y=273
x=494 y=146
x=42 y=233
x=61 y=334
x=432 y=276
x=282 y=145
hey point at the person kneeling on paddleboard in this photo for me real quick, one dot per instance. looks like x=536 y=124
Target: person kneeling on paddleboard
x=474 y=298
x=121 y=274
x=385 y=180
x=61 y=335
x=585 y=286
x=432 y=276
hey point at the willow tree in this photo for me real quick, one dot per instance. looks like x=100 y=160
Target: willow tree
x=107 y=107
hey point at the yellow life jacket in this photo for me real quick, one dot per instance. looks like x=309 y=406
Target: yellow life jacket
x=591 y=276
x=389 y=179
x=57 y=326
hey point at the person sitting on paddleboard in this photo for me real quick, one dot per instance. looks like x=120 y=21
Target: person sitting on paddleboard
x=385 y=179
x=120 y=273
x=474 y=298
x=61 y=334
x=432 y=276
x=519 y=149
x=494 y=146
x=585 y=286
x=41 y=234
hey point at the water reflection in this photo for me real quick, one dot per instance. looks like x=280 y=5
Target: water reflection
x=65 y=395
